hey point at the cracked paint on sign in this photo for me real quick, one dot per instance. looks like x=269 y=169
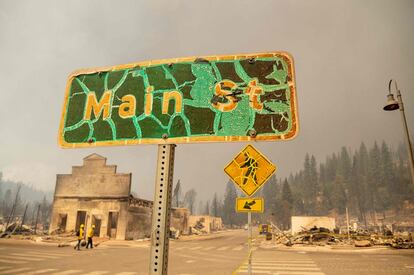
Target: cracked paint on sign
x=250 y=170
x=220 y=98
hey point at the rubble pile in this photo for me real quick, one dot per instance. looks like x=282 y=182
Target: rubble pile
x=322 y=236
x=198 y=228
x=174 y=233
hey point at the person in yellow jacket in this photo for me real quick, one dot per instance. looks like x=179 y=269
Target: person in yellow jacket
x=80 y=236
x=91 y=231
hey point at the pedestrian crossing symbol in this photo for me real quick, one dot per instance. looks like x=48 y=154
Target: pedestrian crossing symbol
x=249 y=170
x=250 y=205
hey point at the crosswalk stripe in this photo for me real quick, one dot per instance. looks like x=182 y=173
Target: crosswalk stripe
x=223 y=248
x=15 y=270
x=29 y=254
x=237 y=248
x=40 y=271
x=19 y=258
x=283 y=272
x=67 y=272
x=47 y=253
x=281 y=264
x=11 y=261
x=284 y=268
x=96 y=273
x=280 y=261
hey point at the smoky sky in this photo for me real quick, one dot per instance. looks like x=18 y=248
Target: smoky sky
x=345 y=52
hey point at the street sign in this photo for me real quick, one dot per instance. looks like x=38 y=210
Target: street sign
x=249 y=170
x=216 y=98
x=250 y=205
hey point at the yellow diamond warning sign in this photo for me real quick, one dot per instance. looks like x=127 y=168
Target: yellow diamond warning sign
x=250 y=205
x=250 y=170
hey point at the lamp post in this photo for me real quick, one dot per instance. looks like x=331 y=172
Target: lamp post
x=392 y=105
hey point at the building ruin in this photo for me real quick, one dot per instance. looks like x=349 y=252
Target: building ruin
x=95 y=193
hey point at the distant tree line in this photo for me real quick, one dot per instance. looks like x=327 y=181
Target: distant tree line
x=13 y=208
x=367 y=182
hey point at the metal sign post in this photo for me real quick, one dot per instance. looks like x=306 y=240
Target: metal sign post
x=161 y=210
x=249 y=221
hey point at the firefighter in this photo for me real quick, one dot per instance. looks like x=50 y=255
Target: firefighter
x=90 y=236
x=80 y=235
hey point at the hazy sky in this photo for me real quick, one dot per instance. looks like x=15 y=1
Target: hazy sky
x=345 y=53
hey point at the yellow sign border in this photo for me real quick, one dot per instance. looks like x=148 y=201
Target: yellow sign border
x=264 y=182
x=293 y=103
x=253 y=211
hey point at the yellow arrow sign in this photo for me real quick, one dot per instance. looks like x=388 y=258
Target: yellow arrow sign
x=250 y=205
x=250 y=170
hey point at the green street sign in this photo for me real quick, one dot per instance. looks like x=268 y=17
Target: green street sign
x=215 y=98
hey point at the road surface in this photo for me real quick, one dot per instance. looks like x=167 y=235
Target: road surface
x=221 y=253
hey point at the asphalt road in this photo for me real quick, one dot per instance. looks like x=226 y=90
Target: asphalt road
x=222 y=253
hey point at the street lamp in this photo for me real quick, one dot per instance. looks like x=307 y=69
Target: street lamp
x=392 y=105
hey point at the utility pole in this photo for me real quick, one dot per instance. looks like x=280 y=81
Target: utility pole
x=11 y=215
x=249 y=242
x=37 y=217
x=347 y=223
x=24 y=217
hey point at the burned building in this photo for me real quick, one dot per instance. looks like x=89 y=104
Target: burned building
x=96 y=194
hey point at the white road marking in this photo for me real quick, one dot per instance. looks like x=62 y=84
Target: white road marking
x=30 y=254
x=195 y=248
x=15 y=270
x=20 y=258
x=12 y=262
x=284 y=268
x=40 y=271
x=190 y=261
x=283 y=272
x=287 y=261
x=67 y=272
x=280 y=264
x=223 y=248
x=46 y=253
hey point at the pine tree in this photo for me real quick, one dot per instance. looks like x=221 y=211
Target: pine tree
x=357 y=193
x=177 y=194
x=207 y=208
x=286 y=205
x=269 y=195
x=229 y=203
x=374 y=178
x=215 y=206
x=190 y=199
